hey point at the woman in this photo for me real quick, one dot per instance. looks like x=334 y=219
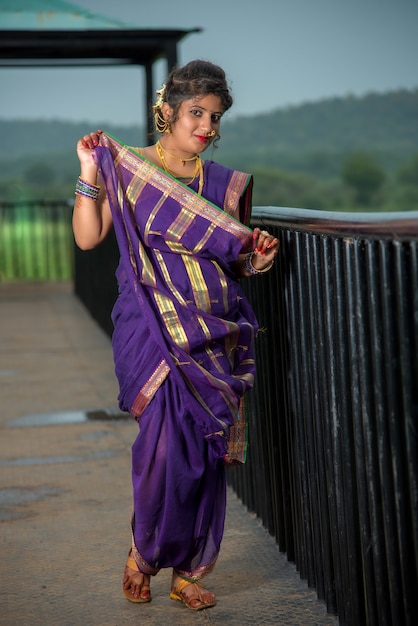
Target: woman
x=183 y=329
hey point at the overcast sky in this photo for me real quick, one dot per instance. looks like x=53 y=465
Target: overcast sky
x=276 y=53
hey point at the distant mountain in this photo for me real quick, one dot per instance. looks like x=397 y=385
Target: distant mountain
x=28 y=137
x=311 y=137
x=309 y=134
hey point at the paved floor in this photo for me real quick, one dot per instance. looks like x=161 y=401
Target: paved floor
x=65 y=490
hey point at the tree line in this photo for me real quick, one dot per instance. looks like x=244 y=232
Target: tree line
x=347 y=153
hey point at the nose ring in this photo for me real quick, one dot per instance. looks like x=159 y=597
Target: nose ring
x=212 y=133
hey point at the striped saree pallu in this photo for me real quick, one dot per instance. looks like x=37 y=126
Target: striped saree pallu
x=181 y=312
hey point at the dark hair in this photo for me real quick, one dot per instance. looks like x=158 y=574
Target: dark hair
x=196 y=79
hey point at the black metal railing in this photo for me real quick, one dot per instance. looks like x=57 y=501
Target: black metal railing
x=332 y=468
x=95 y=282
x=333 y=458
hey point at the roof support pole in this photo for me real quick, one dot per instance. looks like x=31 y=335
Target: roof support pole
x=171 y=59
x=149 y=93
x=171 y=54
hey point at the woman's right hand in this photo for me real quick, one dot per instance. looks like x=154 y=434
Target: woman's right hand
x=85 y=147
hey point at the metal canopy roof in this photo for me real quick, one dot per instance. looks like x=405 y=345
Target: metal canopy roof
x=55 y=33
x=51 y=14
x=88 y=47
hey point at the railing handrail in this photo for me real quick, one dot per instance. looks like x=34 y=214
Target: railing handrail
x=402 y=225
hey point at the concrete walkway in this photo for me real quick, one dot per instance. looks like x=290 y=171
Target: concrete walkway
x=65 y=494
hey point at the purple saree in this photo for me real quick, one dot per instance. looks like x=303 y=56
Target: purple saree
x=182 y=342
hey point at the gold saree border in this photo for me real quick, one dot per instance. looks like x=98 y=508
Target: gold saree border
x=148 y=390
x=129 y=158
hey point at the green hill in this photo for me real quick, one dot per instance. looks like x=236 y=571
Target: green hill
x=315 y=137
x=380 y=123
x=293 y=151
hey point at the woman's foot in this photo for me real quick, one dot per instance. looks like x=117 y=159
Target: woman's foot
x=136 y=585
x=194 y=595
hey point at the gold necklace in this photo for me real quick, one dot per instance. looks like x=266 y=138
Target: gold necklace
x=173 y=156
x=198 y=170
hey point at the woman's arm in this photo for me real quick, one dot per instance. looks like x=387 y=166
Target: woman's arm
x=92 y=219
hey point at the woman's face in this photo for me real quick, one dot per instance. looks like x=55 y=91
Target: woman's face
x=197 y=124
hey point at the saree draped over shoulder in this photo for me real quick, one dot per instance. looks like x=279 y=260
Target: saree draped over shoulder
x=182 y=343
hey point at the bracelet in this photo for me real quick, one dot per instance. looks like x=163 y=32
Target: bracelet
x=249 y=267
x=83 y=188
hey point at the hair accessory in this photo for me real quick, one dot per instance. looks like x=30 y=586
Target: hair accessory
x=161 y=95
x=215 y=141
x=249 y=267
x=83 y=188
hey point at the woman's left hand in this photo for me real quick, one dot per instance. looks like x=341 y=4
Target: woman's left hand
x=265 y=247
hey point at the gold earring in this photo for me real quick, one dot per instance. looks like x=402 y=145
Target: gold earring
x=162 y=125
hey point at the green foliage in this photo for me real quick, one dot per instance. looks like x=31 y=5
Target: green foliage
x=276 y=188
x=362 y=172
x=408 y=173
x=39 y=175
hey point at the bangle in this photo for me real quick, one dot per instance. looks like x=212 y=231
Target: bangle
x=83 y=188
x=249 y=267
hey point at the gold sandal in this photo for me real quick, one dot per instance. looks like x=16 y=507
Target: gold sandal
x=127 y=592
x=176 y=594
